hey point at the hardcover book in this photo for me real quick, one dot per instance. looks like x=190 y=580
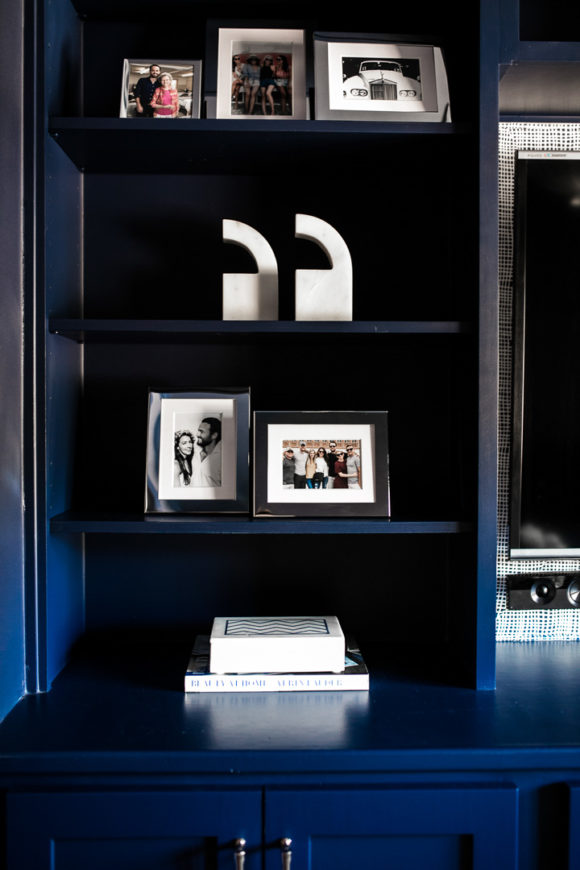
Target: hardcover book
x=267 y=644
x=198 y=678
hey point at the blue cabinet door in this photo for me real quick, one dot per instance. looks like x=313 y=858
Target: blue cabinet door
x=574 y=826
x=440 y=828
x=133 y=830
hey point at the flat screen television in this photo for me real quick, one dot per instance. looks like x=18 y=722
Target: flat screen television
x=545 y=467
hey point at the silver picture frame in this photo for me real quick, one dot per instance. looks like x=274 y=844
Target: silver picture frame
x=369 y=77
x=198 y=451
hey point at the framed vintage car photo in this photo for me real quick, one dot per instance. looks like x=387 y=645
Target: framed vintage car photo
x=321 y=464
x=165 y=89
x=261 y=74
x=367 y=78
x=198 y=452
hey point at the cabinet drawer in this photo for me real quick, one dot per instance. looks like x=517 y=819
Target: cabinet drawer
x=132 y=830
x=574 y=839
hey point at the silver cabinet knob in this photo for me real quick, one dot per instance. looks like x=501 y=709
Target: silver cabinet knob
x=286 y=852
x=239 y=853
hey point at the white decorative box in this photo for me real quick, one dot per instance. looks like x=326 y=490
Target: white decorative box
x=276 y=644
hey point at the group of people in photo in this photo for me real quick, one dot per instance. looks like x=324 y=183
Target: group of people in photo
x=198 y=457
x=261 y=84
x=319 y=467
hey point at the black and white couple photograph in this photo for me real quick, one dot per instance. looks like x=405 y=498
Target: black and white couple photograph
x=197 y=451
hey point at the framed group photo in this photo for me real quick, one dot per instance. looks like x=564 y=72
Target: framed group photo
x=261 y=74
x=198 y=452
x=323 y=463
x=362 y=78
x=153 y=88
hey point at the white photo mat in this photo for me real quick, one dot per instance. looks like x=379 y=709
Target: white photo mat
x=363 y=433
x=261 y=41
x=178 y=414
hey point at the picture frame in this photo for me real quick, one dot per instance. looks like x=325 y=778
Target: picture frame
x=281 y=481
x=198 y=451
x=245 y=90
x=135 y=89
x=368 y=77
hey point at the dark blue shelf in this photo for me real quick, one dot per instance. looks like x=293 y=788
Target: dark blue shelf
x=76 y=522
x=100 y=329
x=207 y=146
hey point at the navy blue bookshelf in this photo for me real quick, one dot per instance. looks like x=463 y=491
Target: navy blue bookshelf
x=462 y=753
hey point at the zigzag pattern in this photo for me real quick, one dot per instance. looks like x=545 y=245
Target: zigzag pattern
x=276 y=626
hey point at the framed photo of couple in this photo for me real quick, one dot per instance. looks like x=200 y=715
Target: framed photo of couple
x=157 y=88
x=321 y=464
x=198 y=452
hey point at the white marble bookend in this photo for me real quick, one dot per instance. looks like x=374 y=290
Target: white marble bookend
x=324 y=294
x=253 y=295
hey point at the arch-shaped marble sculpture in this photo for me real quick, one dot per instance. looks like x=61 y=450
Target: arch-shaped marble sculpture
x=251 y=295
x=324 y=294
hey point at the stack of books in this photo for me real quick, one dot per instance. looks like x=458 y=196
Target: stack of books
x=275 y=654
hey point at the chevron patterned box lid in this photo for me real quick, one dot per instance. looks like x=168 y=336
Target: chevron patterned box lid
x=258 y=644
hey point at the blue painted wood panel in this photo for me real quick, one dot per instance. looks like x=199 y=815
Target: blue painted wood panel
x=11 y=376
x=399 y=828
x=133 y=830
x=574 y=827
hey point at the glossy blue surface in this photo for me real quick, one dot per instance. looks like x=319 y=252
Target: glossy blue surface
x=125 y=711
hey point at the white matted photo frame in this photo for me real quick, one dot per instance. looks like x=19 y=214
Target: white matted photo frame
x=158 y=88
x=368 y=77
x=198 y=452
x=321 y=464
x=261 y=74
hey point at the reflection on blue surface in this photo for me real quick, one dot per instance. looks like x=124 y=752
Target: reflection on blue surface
x=272 y=720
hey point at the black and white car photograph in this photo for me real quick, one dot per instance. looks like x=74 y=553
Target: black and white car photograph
x=381 y=79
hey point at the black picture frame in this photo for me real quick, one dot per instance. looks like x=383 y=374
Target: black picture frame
x=222 y=487
x=544 y=518
x=277 y=431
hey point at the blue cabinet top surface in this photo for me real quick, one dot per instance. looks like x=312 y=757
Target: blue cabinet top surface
x=128 y=713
